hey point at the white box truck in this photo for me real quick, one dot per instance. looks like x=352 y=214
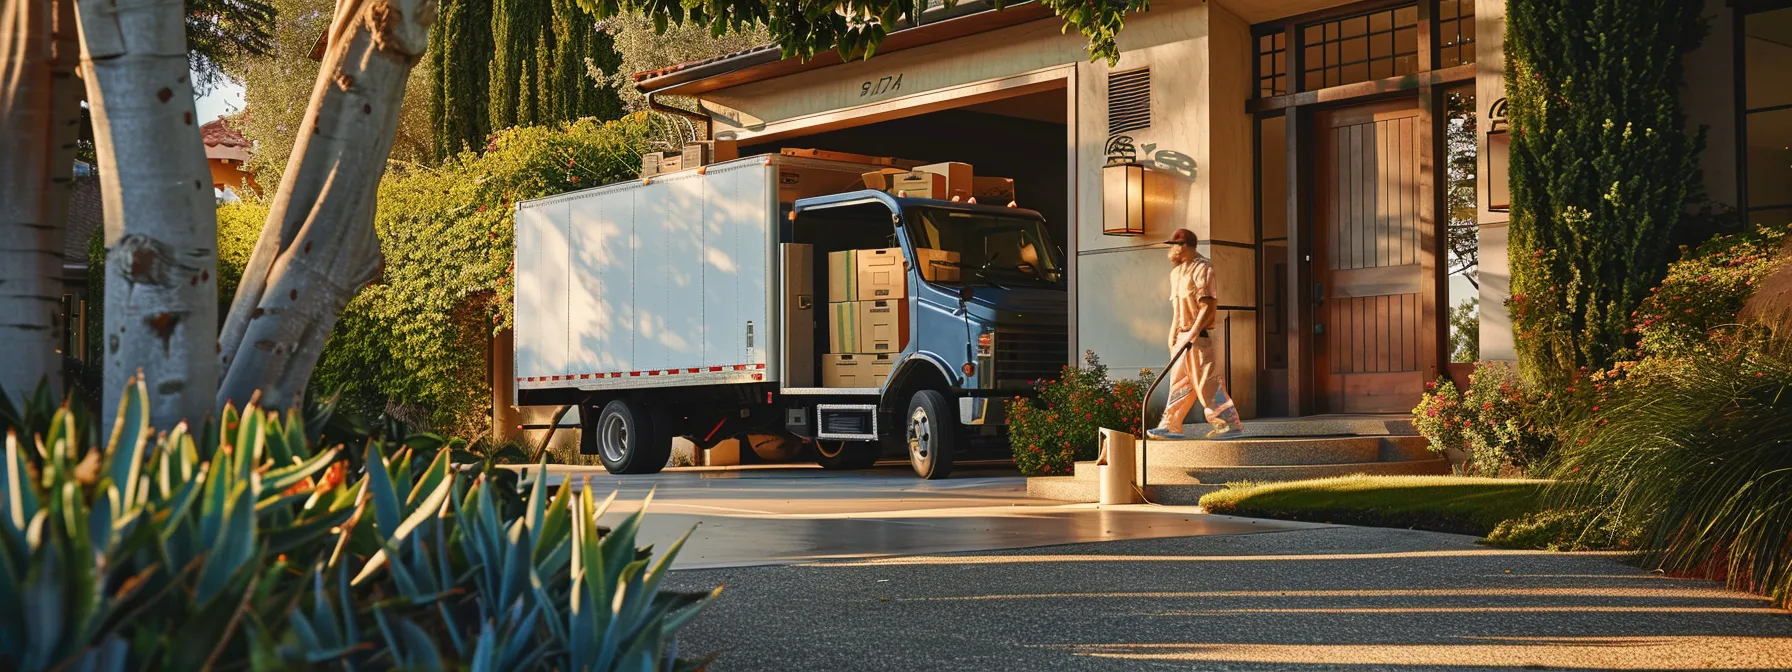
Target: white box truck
x=686 y=305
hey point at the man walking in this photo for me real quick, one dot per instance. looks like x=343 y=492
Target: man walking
x=1193 y=308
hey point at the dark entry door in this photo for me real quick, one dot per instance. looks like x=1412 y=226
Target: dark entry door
x=1371 y=247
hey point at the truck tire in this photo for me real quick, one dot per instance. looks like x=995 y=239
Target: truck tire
x=845 y=455
x=930 y=433
x=628 y=441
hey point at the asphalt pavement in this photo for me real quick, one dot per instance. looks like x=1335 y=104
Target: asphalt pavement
x=877 y=570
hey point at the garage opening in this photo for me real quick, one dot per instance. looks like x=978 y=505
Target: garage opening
x=1023 y=137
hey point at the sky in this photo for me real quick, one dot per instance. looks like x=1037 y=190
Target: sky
x=226 y=98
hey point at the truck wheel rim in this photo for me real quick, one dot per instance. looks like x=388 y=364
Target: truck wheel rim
x=920 y=437
x=615 y=438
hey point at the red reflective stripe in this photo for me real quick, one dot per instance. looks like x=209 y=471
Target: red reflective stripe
x=715 y=368
x=690 y=370
x=740 y=367
x=634 y=373
x=758 y=366
x=584 y=376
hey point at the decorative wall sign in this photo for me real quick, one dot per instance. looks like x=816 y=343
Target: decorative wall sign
x=1121 y=150
x=1498 y=191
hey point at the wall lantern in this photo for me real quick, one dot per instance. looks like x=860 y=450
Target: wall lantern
x=1123 y=199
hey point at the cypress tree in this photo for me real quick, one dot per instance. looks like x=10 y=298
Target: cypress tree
x=1602 y=169
x=461 y=56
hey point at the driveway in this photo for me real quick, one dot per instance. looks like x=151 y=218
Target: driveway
x=877 y=570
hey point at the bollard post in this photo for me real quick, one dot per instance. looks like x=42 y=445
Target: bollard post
x=1118 y=471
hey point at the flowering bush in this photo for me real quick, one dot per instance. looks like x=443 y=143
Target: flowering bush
x=1704 y=290
x=1061 y=426
x=1499 y=421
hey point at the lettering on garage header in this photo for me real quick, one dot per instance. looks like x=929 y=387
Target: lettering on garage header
x=881 y=86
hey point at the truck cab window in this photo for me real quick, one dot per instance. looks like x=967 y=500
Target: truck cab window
x=993 y=250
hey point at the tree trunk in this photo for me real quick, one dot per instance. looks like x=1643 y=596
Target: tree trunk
x=40 y=106
x=161 y=215
x=318 y=246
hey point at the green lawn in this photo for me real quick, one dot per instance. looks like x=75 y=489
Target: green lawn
x=1459 y=504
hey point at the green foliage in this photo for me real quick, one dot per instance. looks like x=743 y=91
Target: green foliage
x=642 y=48
x=1602 y=170
x=239 y=226
x=244 y=547
x=1050 y=433
x=460 y=77
x=1698 y=458
x=1501 y=422
x=1465 y=331
x=414 y=343
x=1441 y=503
x=1704 y=290
x=220 y=31
x=1562 y=530
x=805 y=29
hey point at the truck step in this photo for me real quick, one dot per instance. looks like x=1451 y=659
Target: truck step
x=846 y=422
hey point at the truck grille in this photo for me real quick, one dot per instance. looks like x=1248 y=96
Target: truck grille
x=1025 y=356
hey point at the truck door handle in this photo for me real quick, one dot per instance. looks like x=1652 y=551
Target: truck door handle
x=1318 y=292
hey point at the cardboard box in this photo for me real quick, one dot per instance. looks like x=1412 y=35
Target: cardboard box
x=843 y=277
x=855 y=370
x=880 y=178
x=916 y=184
x=723 y=150
x=882 y=326
x=844 y=330
x=882 y=274
x=937 y=265
x=849 y=157
x=958 y=178
x=696 y=154
x=671 y=162
x=795 y=183
x=993 y=190
x=650 y=164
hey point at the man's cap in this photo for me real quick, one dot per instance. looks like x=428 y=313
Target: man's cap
x=1182 y=237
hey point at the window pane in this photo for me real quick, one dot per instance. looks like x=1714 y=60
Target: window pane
x=1314 y=35
x=1355 y=49
x=1446 y=9
x=1406 y=41
x=1768 y=58
x=1281 y=64
x=1355 y=26
x=1770 y=158
x=1464 y=232
x=1314 y=80
x=1381 y=21
x=1358 y=72
x=1406 y=16
x=1779 y=217
x=1265 y=43
x=1381 y=69
x=1381 y=46
x=1406 y=65
x=1281 y=40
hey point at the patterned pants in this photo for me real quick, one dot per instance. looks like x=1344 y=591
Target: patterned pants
x=1198 y=370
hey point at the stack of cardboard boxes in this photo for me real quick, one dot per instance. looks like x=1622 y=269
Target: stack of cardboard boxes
x=693 y=155
x=949 y=181
x=868 y=317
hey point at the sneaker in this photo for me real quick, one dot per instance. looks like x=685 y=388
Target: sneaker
x=1221 y=432
x=1161 y=433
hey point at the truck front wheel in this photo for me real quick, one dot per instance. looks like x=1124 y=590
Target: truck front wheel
x=627 y=440
x=930 y=431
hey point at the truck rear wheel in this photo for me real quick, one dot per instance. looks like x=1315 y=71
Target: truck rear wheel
x=845 y=455
x=930 y=432
x=627 y=440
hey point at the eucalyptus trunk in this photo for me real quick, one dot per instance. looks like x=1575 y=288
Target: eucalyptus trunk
x=40 y=104
x=318 y=247
x=161 y=215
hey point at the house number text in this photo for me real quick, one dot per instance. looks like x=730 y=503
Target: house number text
x=886 y=84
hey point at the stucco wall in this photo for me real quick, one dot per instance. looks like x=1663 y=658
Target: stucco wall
x=1199 y=54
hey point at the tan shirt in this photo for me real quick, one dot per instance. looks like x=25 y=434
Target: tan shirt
x=1191 y=282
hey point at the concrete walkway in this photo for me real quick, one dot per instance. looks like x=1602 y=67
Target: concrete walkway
x=1318 y=598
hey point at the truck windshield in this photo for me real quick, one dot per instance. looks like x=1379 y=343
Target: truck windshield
x=993 y=250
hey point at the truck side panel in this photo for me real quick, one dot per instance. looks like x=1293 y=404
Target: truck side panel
x=600 y=303
x=681 y=232
x=541 y=289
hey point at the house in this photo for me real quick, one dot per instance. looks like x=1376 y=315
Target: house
x=1301 y=139
x=227 y=155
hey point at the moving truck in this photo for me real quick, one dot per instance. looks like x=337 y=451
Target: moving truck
x=696 y=304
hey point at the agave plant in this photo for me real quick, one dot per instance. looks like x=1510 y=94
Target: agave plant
x=242 y=547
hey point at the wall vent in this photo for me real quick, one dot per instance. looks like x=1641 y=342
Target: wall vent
x=1129 y=100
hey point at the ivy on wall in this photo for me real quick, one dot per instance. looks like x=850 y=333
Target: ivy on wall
x=1602 y=169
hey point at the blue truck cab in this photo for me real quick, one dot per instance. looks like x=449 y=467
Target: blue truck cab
x=979 y=334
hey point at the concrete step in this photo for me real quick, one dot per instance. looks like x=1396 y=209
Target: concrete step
x=1398 y=448
x=1179 y=495
x=1064 y=488
x=1265 y=451
x=1319 y=425
x=1432 y=466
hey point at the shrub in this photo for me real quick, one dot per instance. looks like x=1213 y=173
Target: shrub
x=240 y=546
x=1698 y=457
x=1061 y=426
x=1603 y=167
x=1703 y=291
x=1500 y=423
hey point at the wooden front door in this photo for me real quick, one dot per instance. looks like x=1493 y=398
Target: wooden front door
x=1375 y=322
